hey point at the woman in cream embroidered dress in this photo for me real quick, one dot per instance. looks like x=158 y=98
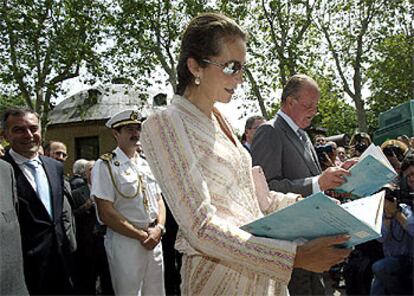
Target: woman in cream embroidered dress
x=205 y=175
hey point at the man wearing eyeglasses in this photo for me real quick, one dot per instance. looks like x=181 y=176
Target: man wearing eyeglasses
x=252 y=123
x=56 y=150
x=284 y=151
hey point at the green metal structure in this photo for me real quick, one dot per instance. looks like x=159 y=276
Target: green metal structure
x=395 y=122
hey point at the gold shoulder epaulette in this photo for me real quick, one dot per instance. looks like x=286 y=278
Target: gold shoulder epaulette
x=107 y=156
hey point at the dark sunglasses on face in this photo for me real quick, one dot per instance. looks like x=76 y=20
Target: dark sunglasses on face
x=229 y=68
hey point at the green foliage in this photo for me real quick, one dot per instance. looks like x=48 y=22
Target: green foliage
x=146 y=36
x=391 y=75
x=279 y=35
x=352 y=29
x=43 y=43
x=8 y=102
x=352 y=45
x=334 y=113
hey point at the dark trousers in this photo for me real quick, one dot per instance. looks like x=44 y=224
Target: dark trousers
x=52 y=278
x=172 y=258
x=91 y=261
x=92 y=265
x=305 y=282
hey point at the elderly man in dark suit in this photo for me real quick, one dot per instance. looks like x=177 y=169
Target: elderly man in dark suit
x=284 y=151
x=39 y=183
x=91 y=260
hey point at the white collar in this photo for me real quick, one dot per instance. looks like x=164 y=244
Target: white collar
x=141 y=163
x=20 y=159
x=289 y=121
x=123 y=158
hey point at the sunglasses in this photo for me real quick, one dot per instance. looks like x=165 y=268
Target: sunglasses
x=229 y=68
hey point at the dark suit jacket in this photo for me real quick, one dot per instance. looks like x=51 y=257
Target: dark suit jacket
x=44 y=241
x=288 y=166
x=85 y=221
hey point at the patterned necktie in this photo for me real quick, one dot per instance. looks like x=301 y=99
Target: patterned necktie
x=42 y=184
x=306 y=142
x=303 y=137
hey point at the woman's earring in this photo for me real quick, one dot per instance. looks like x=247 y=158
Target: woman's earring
x=197 y=81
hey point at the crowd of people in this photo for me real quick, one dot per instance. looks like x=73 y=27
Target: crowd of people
x=111 y=226
x=385 y=266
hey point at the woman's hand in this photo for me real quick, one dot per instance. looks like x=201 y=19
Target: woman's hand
x=320 y=254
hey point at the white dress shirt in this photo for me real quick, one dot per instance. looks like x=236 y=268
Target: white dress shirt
x=20 y=160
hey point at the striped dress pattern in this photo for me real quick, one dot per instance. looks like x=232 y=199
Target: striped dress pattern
x=207 y=182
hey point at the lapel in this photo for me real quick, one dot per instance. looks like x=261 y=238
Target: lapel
x=55 y=186
x=26 y=193
x=298 y=144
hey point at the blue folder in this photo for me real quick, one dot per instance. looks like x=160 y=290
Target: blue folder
x=317 y=216
x=367 y=176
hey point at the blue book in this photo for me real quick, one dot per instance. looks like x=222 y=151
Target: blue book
x=369 y=174
x=318 y=215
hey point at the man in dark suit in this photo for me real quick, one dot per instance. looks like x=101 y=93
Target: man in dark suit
x=91 y=260
x=58 y=151
x=252 y=123
x=284 y=151
x=39 y=181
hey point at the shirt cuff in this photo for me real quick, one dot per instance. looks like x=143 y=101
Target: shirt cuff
x=315 y=185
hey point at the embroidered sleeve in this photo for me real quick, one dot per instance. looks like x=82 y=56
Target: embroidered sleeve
x=176 y=168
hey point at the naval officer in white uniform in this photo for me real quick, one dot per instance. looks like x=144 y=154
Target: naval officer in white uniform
x=129 y=202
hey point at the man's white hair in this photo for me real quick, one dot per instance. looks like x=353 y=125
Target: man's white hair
x=79 y=167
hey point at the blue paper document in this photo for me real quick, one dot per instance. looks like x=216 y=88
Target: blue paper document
x=318 y=215
x=369 y=174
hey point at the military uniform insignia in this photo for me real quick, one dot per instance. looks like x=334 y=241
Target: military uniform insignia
x=134 y=115
x=107 y=156
x=116 y=163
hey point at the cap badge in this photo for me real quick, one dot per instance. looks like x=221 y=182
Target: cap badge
x=134 y=115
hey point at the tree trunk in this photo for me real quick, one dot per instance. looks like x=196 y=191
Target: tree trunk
x=361 y=114
x=257 y=94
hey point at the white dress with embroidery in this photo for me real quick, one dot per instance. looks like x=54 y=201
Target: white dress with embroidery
x=207 y=182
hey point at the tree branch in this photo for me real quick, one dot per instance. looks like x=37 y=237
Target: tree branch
x=17 y=72
x=309 y=10
x=278 y=47
x=66 y=74
x=337 y=61
x=256 y=91
x=46 y=62
x=161 y=58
